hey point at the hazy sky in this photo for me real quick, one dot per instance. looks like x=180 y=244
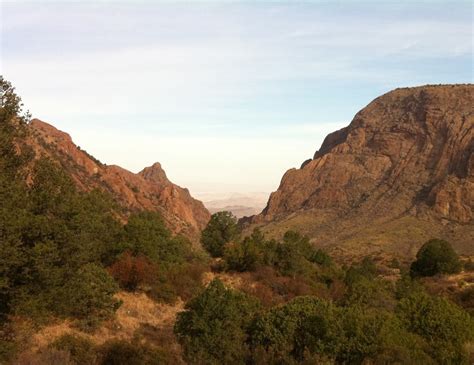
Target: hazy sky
x=226 y=95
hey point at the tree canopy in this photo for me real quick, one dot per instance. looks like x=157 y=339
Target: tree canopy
x=435 y=257
x=221 y=229
x=214 y=327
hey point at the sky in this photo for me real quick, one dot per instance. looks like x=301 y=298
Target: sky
x=226 y=95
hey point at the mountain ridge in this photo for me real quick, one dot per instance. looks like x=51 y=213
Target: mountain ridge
x=409 y=154
x=149 y=189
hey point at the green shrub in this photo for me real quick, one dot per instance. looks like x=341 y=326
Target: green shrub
x=308 y=327
x=89 y=295
x=245 y=256
x=398 y=346
x=286 y=332
x=221 y=229
x=213 y=328
x=117 y=352
x=146 y=234
x=81 y=350
x=407 y=286
x=445 y=326
x=366 y=269
x=435 y=257
x=7 y=351
x=320 y=257
x=373 y=293
x=184 y=281
x=293 y=256
x=249 y=255
x=120 y=352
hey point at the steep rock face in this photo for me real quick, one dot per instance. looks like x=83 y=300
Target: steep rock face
x=408 y=153
x=150 y=189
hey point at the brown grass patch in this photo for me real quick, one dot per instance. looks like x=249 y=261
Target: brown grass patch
x=136 y=311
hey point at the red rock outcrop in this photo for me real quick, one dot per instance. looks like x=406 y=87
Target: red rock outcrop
x=408 y=153
x=150 y=189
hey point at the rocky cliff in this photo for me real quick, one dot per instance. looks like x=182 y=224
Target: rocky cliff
x=407 y=155
x=150 y=189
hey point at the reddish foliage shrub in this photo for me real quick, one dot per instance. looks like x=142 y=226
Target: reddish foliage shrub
x=272 y=288
x=132 y=271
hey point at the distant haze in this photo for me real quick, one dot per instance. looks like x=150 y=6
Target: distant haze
x=239 y=204
x=226 y=95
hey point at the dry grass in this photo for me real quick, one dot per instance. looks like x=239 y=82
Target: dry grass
x=459 y=288
x=232 y=280
x=136 y=311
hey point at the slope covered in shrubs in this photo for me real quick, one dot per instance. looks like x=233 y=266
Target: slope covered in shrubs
x=65 y=253
x=345 y=315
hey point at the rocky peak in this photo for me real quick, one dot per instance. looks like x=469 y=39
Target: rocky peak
x=150 y=189
x=154 y=173
x=407 y=153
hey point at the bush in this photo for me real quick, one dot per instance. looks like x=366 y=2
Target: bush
x=309 y=329
x=117 y=352
x=435 y=257
x=398 y=346
x=293 y=256
x=445 y=326
x=245 y=256
x=81 y=350
x=89 y=295
x=366 y=269
x=374 y=293
x=249 y=255
x=213 y=328
x=221 y=229
x=282 y=332
x=165 y=350
x=407 y=286
x=320 y=257
x=131 y=271
x=271 y=288
x=7 y=350
x=184 y=281
x=187 y=279
x=146 y=234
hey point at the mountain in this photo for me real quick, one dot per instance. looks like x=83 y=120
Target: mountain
x=400 y=173
x=239 y=211
x=240 y=205
x=150 y=189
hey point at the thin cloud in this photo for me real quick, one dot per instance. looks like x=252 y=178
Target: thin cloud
x=222 y=92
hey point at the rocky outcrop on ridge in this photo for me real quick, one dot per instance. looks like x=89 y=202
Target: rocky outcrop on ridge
x=150 y=189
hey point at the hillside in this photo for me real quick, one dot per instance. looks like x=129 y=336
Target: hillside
x=400 y=173
x=150 y=189
x=83 y=281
